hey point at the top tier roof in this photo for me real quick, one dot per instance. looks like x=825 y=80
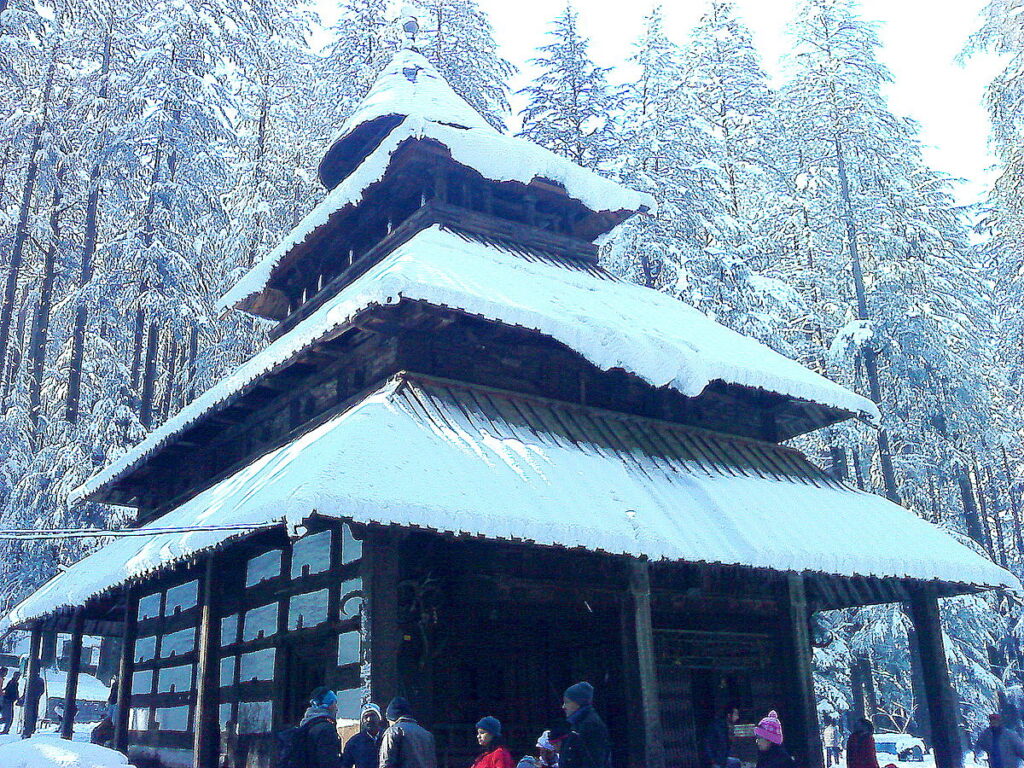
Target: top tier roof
x=411 y=101
x=409 y=86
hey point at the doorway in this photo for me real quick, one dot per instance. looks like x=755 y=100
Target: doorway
x=305 y=668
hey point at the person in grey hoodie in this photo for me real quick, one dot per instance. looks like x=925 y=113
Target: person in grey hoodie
x=406 y=743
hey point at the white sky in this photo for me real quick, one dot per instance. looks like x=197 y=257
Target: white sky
x=920 y=39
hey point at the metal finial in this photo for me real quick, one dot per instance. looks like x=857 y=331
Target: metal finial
x=411 y=27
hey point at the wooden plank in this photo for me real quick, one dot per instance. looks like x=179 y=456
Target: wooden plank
x=645 y=700
x=206 y=743
x=381 y=574
x=124 y=677
x=801 y=717
x=30 y=712
x=940 y=697
x=67 y=725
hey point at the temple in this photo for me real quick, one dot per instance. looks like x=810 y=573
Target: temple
x=472 y=467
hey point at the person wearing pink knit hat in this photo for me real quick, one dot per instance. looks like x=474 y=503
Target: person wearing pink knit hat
x=770 y=752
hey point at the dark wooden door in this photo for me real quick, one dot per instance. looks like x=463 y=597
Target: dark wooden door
x=305 y=669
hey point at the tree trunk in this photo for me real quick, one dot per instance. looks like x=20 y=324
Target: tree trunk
x=149 y=377
x=837 y=460
x=933 y=502
x=867 y=352
x=971 y=519
x=979 y=494
x=171 y=366
x=193 y=351
x=41 y=321
x=89 y=241
x=1014 y=503
x=21 y=230
x=997 y=516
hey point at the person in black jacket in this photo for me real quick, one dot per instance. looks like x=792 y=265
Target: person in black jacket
x=587 y=745
x=10 y=696
x=363 y=749
x=320 y=730
x=717 y=743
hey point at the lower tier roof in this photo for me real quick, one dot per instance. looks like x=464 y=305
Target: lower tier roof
x=612 y=323
x=436 y=455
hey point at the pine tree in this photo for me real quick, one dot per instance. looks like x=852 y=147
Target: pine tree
x=456 y=36
x=571 y=107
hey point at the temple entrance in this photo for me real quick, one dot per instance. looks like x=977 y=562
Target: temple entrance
x=305 y=668
x=699 y=674
x=487 y=631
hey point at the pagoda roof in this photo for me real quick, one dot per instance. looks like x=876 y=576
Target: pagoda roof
x=440 y=453
x=428 y=109
x=410 y=86
x=612 y=323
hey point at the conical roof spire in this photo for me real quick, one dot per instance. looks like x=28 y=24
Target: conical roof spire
x=410 y=86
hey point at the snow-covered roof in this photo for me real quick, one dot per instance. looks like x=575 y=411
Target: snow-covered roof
x=430 y=109
x=494 y=155
x=410 y=86
x=431 y=454
x=610 y=322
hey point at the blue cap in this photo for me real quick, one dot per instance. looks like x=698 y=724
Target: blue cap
x=581 y=693
x=490 y=724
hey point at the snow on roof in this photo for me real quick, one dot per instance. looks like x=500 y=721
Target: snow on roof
x=610 y=322
x=440 y=453
x=410 y=86
x=495 y=156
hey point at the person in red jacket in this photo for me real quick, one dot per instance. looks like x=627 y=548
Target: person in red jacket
x=493 y=752
x=860 y=747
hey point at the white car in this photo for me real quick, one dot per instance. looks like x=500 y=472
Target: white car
x=899 y=747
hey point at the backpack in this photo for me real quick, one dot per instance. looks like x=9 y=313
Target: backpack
x=293 y=746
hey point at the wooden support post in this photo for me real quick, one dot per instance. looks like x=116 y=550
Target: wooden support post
x=67 y=724
x=206 y=743
x=639 y=642
x=943 y=712
x=30 y=710
x=800 y=720
x=124 y=676
x=380 y=564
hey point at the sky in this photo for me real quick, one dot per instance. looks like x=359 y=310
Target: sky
x=920 y=43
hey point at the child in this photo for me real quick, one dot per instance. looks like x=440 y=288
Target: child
x=770 y=753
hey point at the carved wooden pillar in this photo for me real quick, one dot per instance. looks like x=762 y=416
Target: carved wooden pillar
x=124 y=677
x=206 y=739
x=381 y=573
x=641 y=671
x=67 y=725
x=943 y=712
x=800 y=718
x=30 y=711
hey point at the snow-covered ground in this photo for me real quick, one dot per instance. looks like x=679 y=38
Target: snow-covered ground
x=47 y=750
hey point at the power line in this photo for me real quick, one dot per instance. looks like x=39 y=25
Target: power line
x=37 y=534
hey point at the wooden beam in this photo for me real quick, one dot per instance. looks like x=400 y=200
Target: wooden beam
x=644 y=699
x=124 y=677
x=206 y=745
x=33 y=683
x=940 y=698
x=800 y=717
x=67 y=725
x=381 y=573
